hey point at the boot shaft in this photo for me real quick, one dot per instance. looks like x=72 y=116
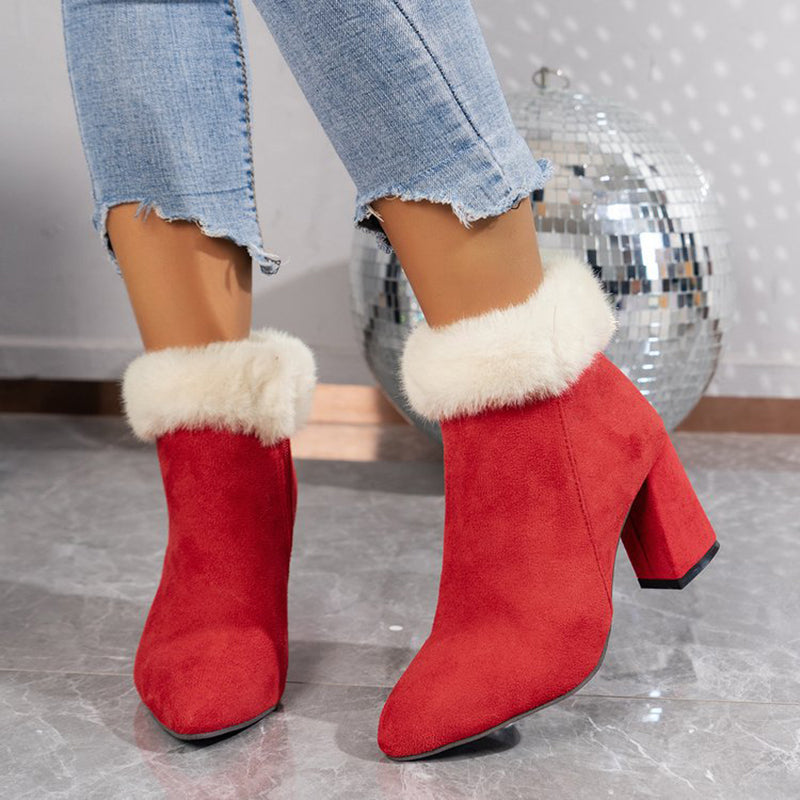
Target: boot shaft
x=229 y=499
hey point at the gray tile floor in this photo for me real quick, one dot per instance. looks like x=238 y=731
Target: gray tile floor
x=699 y=694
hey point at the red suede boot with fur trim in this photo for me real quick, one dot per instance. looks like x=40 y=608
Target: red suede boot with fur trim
x=551 y=455
x=213 y=654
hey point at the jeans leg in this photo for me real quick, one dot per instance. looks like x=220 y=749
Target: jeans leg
x=408 y=96
x=161 y=96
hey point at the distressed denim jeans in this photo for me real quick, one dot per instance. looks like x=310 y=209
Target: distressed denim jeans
x=404 y=89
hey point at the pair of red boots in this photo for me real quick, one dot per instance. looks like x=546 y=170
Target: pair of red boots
x=551 y=456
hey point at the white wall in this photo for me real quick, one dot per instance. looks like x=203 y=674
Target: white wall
x=722 y=74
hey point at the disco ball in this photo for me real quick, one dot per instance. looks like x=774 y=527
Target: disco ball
x=627 y=198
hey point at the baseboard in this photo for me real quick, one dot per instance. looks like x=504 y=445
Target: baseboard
x=356 y=404
x=744 y=415
x=37 y=396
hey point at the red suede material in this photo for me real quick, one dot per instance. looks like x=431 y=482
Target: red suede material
x=213 y=653
x=535 y=500
x=667 y=531
x=616 y=435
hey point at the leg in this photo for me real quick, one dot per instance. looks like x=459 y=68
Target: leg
x=457 y=272
x=161 y=95
x=185 y=288
x=407 y=95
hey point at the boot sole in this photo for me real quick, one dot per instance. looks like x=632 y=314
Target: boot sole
x=648 y=584
x=190 y=737
x=679 y=583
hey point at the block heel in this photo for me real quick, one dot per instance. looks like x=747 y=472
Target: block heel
x=667 y=535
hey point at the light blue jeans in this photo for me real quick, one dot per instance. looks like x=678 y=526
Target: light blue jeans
x=404 y=89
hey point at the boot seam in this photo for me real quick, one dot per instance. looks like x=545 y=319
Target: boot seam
x=582 y=499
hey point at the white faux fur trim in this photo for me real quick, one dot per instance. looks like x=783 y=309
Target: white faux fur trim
x=263 y=385
x=534 y=349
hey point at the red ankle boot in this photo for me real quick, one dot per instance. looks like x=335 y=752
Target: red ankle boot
x=550 y=455
x=213 y=654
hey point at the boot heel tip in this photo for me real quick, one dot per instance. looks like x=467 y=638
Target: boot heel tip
x=679 y=583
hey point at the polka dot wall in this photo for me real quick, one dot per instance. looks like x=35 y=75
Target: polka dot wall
x=724 y=77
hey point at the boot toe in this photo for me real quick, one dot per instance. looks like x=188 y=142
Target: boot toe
x=460 y=688
x=209 y=682
x=446 y=696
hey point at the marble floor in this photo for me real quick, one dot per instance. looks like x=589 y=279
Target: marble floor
x=698 y=697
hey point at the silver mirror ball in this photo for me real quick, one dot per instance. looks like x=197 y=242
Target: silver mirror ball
x=632 y=202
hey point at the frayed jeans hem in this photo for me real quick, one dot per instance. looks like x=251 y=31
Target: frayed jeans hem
x=473 y=189
x=245 y=235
